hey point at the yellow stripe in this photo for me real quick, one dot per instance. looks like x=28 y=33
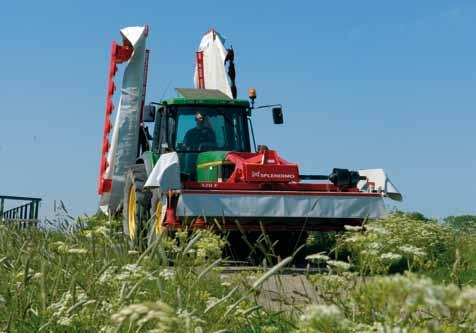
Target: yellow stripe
x=209 y=164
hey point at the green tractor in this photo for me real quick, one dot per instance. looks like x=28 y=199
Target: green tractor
x=202 y=157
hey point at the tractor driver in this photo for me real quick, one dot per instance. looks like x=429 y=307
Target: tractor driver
x=202 y=134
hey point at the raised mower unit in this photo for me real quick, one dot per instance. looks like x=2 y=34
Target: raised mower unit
x=198 y=168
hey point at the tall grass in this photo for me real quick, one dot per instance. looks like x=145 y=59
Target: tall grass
x=402 y=273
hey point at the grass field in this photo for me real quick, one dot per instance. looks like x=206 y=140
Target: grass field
x=400 y=274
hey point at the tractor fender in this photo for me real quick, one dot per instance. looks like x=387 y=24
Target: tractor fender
x=166 y=173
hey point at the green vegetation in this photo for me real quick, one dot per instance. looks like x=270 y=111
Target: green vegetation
x=404 y=273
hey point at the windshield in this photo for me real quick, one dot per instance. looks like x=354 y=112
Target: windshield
x=205 y=128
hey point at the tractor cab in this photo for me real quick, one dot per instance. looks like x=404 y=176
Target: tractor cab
x=201 y=125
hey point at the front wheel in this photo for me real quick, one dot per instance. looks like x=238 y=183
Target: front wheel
x=136 y=206
x=157 y=212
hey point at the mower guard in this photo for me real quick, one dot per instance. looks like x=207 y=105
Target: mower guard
x=270 y=205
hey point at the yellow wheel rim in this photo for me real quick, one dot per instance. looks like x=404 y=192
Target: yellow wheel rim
x=132 y=212
x=159 y=228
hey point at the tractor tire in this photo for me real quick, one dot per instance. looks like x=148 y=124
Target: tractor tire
x=136 y=207
x=157 y=221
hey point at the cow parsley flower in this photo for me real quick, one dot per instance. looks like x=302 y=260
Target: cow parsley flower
x=353 y=227
x=412 y=250
x=338 y=265
x=467 y=297
x=390 y=257
x=77 y=251
x=317 y=257
x=167 y=274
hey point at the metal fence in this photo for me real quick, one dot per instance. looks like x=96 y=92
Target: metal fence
x=21 y=216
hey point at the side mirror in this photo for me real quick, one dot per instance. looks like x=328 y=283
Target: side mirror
x=278 y=115
x=149 y=113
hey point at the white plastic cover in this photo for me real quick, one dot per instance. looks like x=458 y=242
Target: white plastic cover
x=125 y=135
x=166 y=173
x=382 y=183
x=279 y=205
x=214 y=54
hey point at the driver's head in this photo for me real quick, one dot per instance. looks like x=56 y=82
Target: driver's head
x=199 y=119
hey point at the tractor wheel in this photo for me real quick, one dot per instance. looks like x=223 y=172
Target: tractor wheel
x=136 y=206
x=157 y=212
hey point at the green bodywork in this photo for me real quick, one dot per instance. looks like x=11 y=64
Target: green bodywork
x=204 y=97
x=207 y=101
x=210 y=166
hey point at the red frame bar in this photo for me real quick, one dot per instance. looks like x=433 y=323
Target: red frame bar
x=119 y=54
x=200 y=70
x=308 y=193
x=268 y=187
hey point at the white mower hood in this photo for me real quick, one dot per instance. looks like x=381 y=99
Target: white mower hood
x=213 y=51
x=381 y=183
x=125 y=130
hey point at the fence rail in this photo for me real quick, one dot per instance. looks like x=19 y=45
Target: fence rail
x=22 y=216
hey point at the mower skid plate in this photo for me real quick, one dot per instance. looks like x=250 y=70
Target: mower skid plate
x=285 y=206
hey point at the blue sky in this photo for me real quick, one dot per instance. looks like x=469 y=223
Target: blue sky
x=364 y=84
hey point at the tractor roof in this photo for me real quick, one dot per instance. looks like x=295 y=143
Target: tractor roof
x=205 y=97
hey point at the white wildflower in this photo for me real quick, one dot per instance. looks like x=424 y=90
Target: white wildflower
x=167 y=274
x=353 y=239
x=202 y=253
x=211 y=301
x=391 y=257
x=77 y=251
x=320 y=311
x=369 y=253
x=374 y=245
x=132 y=272
x=317 y=257
x=133 y=268
x=377 y=230
x=65 y=321
x=353 y=228
x=467 y=297
x=251 y=278
x=413 y=250
x=225 y=280
x=61 y=308
x=338 y=265
x=106 y=306
x=188 y=316
x=108 y=275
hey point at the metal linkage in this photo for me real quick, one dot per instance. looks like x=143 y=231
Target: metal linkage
x=23 y=215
